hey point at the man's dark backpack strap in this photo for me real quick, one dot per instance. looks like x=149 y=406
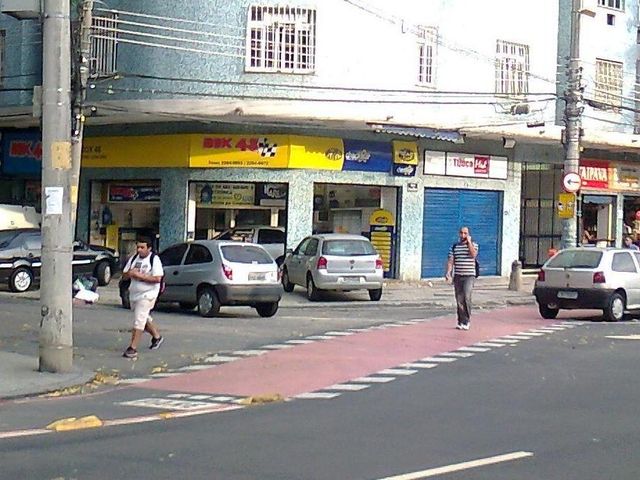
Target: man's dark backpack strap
x=163 y=285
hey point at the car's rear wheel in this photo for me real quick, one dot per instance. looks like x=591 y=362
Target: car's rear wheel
x=267 y=309
x=375 y=294
x=286 y=283
x=103 y=273
x=208 y=302
x=21 y=280
x=614 y=311
x=312 y=291
x=187 y=305
x=547 y=312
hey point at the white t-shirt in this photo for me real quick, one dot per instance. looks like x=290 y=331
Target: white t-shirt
x=139 y=289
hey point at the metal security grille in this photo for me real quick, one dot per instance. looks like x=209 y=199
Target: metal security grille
x=281 y=39
x=104 y=45
x=426 y=55
x=512 y=68
x=2 y=56
x=608 y=89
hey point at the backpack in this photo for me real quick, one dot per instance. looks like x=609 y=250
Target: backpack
x=127 y=282
x=453 y=247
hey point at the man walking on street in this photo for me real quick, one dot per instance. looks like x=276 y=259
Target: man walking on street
x=144 y=269
x=462 y=264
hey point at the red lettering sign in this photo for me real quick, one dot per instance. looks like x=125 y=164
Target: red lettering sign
x=594 y=174
x=25 y=149
x=481 y=165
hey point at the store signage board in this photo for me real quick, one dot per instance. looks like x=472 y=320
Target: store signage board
x=465 y=165
x=594 y=174
x=365 y=156
x=226 y=194
x=134 y=193
x=22 y=153
x=571 y=182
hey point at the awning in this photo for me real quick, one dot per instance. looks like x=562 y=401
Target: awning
x=420 y=132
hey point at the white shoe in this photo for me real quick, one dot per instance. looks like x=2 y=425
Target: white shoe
x=459 y=326
x=465 y=326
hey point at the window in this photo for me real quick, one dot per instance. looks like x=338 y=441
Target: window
x=348 y=248
x=269 y=236
x=104 y=45
x=622 y=262
x=426 y=55
x=575 y=259
x=173 y=255
x=512 y=68
x=302 y=247
x=608 y=83
x=312 y=248
x=245 y=254
x=281 y=39
x=616 y=4
x=198 y=254
x=3 y=35
x=33 y=242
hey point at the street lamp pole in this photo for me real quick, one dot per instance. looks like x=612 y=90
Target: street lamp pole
x=56 y=339
x=572 y=118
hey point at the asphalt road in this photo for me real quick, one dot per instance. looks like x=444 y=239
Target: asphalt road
x=567 y=399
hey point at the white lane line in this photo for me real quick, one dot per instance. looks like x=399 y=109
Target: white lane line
x=132 y=381
x=539 y=330
x=534 y=334
x=223 y=399
x=489 y=344
x=473 y=349
x=200 y=397
x=190 y=368
x=505 y=340
x=373 y=379
x=317 y=395
x=249 y=353
x=347 y=387
x=220 y=359
x=458 y=467
x=518 y=337
x=458 y=354
x=409 y=322
x=419 y=365
x=563 y=325
x=555 y=329
x=299 y=342
x=319 y=337
x=339 y=334
x=623 y=337
x=396 y=371
x=277 y=347
x=165 y=374
x=179 y=395
x=24 y=433
x=438 y=359
x=392 y=325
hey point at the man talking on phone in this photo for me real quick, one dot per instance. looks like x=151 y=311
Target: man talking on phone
x=461 y=268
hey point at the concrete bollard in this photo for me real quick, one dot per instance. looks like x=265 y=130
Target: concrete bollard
x=515 y=279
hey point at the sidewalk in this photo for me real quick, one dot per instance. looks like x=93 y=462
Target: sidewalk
x=18 y=369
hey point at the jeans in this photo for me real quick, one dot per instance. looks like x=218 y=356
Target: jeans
x=463 y=286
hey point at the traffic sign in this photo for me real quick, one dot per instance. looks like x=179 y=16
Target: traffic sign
x=572 y=182
x=566 y=206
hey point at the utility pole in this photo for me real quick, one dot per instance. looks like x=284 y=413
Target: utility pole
x=79 y=95
x=56 y=336
x=572 y=118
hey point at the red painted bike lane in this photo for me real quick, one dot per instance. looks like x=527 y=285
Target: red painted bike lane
x=311 y=367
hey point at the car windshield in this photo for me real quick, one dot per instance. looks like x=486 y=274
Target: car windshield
x=245 y=254
x=347 y=248
x=575 y=259
x=7 y=236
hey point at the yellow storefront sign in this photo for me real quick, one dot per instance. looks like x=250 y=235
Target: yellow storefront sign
x=157 y=151
x=566 y=206
x=405 y=153
x=320 y=153
x=239 y=151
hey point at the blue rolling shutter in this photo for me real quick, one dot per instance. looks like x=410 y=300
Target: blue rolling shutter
x=446 y=210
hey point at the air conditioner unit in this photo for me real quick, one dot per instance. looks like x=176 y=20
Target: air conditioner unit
x=21 y=9
x=520 y=109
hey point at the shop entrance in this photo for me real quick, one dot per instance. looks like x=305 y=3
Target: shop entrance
x=339 y=208
x=122 y=211
x=598 y=217
x=218 y=206
x=631 y=209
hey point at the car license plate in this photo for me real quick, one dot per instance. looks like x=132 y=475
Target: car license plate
x=257 y=276
x=351 y=279
x=567 y=294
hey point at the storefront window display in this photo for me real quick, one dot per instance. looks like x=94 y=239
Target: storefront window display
x=597 y=220
x=217 y=206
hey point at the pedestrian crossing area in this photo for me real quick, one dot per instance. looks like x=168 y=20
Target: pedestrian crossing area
x=196 y=401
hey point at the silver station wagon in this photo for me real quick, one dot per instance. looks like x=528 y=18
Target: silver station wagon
x=606 y=279
x=208 y=274
x=334 y=261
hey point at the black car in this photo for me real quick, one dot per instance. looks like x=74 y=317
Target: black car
x=20 y=252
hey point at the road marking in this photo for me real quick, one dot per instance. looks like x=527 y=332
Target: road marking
x=419 y=365
x=373 y=379
x=250 y=353
x=179 y=395
x=319 y=337
x=169 y=404
x=199 y=397
x=277 y=347
x=299 y=342
x=517 y=337
x=457 y=467
x=339 y=334
x=473 y=349
x=438 y=359
x=534 y=334
x=317 y=395
x=489 y=344
x=220 y=359
x=505 y=340
x=555 y=329
x=397 y=371
x=190 y=368
x=540 y=330
x=347 y=387
x=165 y=374
x=624 y=337
x=132 y=381
x=458 y=354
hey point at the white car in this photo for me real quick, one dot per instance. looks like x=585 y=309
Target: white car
x=271 y=238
